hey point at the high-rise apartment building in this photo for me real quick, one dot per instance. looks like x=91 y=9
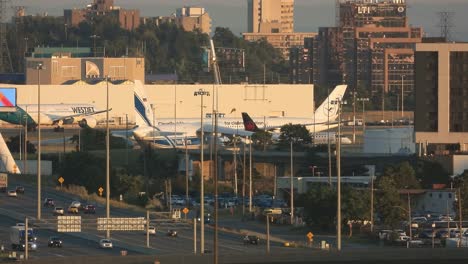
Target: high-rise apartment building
x=192 y=18
x=371 y=49
x=270 y=16
x=441 y=115
x=273 y=20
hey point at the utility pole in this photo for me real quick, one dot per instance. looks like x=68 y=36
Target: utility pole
x=354 y=118
x=250 y=176
x=338 y=176
x=292 y=184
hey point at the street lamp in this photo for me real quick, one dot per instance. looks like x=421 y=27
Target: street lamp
x=402 y=95
x=202 y=93
x=107 y=159
x=433 y=235
x=363 y=100
x=338 y=102
x=94 y=37
x=291 y=139
x=313 y=170
x=39 y=67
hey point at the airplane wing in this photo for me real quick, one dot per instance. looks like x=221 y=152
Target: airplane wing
x=55 y=119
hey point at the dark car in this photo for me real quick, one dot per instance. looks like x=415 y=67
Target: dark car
x=90 y=209
x=172 y=233
x=55 y=242
x=19 y=189
x=49 y=202
x=253 y=240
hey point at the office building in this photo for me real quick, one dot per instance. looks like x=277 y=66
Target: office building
x=441 y=116
x=270 y=16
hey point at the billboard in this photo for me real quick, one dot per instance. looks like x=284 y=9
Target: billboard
x=7 y=98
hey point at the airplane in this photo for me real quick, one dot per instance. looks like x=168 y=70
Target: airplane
x=168 y=134
x=319 y=138
x=53 y=114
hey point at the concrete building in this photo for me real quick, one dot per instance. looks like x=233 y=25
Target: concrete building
x=270 y=16
x=370 y=48
x=193 y=18
x=68 y=65
x=282 y=41
x=441 y=116
x=129 y=18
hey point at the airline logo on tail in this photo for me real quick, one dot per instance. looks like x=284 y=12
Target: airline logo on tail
x=249 y=124
x=328 y=110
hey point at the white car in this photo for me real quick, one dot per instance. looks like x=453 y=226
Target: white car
x=76 y=204
x=12 y=193
x=152 y=230
x=105 y=243
x=58 y=211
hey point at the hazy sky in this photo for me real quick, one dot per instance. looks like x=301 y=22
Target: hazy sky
x=309 y=14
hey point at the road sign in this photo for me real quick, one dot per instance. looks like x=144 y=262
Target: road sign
x=121 y=224
x=185 y=210
x=310 y=235
x=61 y=180
x=100 y=191
x=67 y=223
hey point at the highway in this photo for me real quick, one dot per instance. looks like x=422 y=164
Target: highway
x=14 y=210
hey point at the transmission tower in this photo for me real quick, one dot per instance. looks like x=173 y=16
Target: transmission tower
x=446 y=24
x=5 y=59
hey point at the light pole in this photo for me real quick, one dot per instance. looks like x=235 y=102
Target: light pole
x=94 y=37
x=354 y=118
x=126 y=138
x=363 y=100
x=409 y=220
x=107 y=159
x=292 y=183
x=250 y=175
x=402 y=95
x=339 y=103
x=25 y=164
x=39 y=67
x=186 y=174
x=313 y=170
x=202 y=93
x=235 y=167
x=372 y=205
x=433 y=235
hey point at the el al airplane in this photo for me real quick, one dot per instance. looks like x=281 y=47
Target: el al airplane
x=53 y=114
x=167 y=134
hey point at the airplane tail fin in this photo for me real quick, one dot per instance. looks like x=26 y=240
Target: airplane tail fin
x=143 y=110
x=249 y=124
x=328 y=110
x=7 y=163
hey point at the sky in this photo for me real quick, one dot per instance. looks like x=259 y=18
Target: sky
x=309 y=14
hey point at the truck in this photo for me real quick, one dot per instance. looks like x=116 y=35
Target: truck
x=3 y=182
x=17 y=238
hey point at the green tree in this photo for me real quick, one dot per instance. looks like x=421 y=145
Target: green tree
x=298 y=134
x=319 y=207
x=262 y=139
x=404 y=176
x=13 y=145
x=389 y=206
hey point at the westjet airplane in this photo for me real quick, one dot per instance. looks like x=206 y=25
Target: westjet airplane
x=53 y=114
x=168 y=134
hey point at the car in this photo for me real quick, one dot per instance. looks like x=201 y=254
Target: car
x=76 y=204
x=49 y=202
x=73 y=210
x=252 y=240
x=151 y=230
x=20 y=189
x=58 y=211
x=172 y=233
x=105 y=243
x=55 y=241
x=90 y=209
x=12 y=193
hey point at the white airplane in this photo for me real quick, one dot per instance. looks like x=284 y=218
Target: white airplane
x=168 y=134
x=53 y=114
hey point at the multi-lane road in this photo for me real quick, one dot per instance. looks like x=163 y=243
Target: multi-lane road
x=14 y=210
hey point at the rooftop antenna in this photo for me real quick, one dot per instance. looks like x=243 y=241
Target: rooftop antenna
x=446 y=24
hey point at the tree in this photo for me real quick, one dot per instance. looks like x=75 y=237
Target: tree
x=389 y=205
x=13 y=145
x=319 y=207
x=403 y=175
x=298 y=134
x=261 y=139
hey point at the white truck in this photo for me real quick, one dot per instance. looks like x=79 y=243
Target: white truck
x=3 y=182
x=17 y=238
